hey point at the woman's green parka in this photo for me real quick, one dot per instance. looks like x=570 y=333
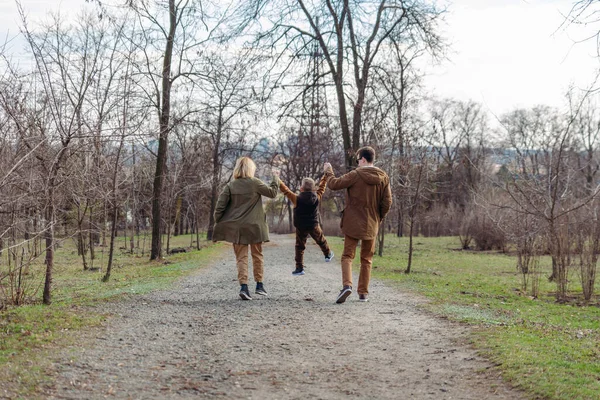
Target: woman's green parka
x=239 y=214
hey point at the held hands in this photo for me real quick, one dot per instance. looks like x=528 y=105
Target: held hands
x=275 y=172
x=327 y=167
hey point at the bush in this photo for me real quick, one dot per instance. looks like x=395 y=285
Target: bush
x=331 y=227
x=486 y=234
x=441 y=220
x=465 y=232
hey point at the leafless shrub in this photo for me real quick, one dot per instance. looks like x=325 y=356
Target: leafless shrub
x=588 y=248
x=438 y=220
x=466 y=230
x=544 y=180
x=528 y=261
x=331 y=227
x=561 y=242
x=486 y=233
x=535 y=272
x=524 y=232
x=18 y=282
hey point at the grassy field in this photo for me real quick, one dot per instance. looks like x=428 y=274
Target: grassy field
x=29 y=332
x=550 y=350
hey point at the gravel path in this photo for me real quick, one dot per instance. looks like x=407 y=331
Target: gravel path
x=199 y=340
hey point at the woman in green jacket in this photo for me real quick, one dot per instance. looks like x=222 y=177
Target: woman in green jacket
x=240 y=219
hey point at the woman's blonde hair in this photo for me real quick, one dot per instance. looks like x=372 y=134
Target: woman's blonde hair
x=244 y=168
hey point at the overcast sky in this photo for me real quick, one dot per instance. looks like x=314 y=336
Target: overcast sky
x=513 y=53
x=505 y=53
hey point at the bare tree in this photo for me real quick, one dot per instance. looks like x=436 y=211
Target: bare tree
x=20 y=190
x=456 y=135
x=416 y=191
x=124 y=66
x=586 y=127
x=545 y=188
x=584 y=12
x=587 y=233
x=63 y=93
x=351 y=36
x=228 y=97
x=174 y=46
x=530 y=132
x=396 y=96
x=193 y=152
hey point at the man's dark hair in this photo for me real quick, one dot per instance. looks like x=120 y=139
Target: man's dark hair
x=367 y=152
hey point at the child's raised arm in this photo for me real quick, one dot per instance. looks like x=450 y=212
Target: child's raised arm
x=322 y=186
x=287 y=192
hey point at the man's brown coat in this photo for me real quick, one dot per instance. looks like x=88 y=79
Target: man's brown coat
x=368 y=200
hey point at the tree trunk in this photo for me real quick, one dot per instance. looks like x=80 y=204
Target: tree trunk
x=115 y=193
x=49 y=236
x=92 y=235
x=113 y=234
x=400 y=230
x=132 y=235
x=412 y=215
x=36 y=239
x=134 y=216
x=213 y=202
x=168 y=236
x=410 y=245
x=197 y=227
x=187 y=222
x=181 y=224
x=115 y=208
x=346 y=134
x=161 y=158
x=177 y=222
x=381 y=239
x=104 y=220
x=216 y=177
x=357 y=116
x=81 y=239
x=554 y=273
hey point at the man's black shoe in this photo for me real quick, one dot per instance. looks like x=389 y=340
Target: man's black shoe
x=344 y=293
x=244 y=293
x=260 y=289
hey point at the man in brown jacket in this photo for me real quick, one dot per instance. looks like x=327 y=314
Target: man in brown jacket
x=368 y=200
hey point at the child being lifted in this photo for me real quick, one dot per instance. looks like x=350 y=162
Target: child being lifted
x=306 y=219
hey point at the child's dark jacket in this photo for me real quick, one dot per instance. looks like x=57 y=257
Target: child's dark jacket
x=306 y=205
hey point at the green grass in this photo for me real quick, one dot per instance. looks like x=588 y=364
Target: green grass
x=550 y=350
x=29 y=332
